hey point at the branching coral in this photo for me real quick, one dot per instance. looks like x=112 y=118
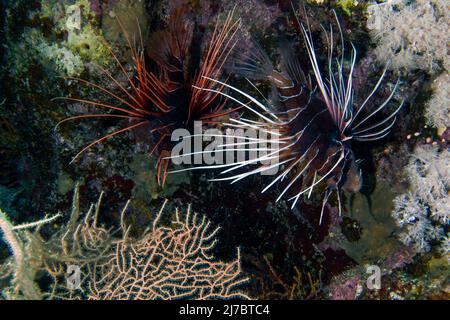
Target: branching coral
x=22 y=283
x=166 y=262
x=76 y=242
x=414 y=35
x=424 y=212
x=411 y=34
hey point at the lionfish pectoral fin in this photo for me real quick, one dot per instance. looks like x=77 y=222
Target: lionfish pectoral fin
x=168 y=48
x=221 y=45
x=108 y=136
x=250 y=61
x=162 y=168
x=324 y=203
x=291 y=64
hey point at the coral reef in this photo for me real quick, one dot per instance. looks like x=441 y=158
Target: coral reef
x=44 y=42
x=171 y=261
x=438 y=107
x=394 y=210
x=423 y=212
x=23 y=268
x=397 y=283
x=365 y=233
x=411 y=34
x=168 y=263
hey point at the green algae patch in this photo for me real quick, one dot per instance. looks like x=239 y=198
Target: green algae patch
x=144 y=176
x=376 y=239
x=348 y=6
x=133 y=20
x=65 y=183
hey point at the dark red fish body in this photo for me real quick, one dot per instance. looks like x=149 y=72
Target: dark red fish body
x=172 y=96
x=315 y=134
x=312 y=123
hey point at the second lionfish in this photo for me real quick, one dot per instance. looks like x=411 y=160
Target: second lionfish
x=314 y=121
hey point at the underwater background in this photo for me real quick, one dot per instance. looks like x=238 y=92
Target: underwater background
x=131 y=231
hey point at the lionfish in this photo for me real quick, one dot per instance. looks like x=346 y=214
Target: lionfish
x=316 y=124
x=171 y=98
